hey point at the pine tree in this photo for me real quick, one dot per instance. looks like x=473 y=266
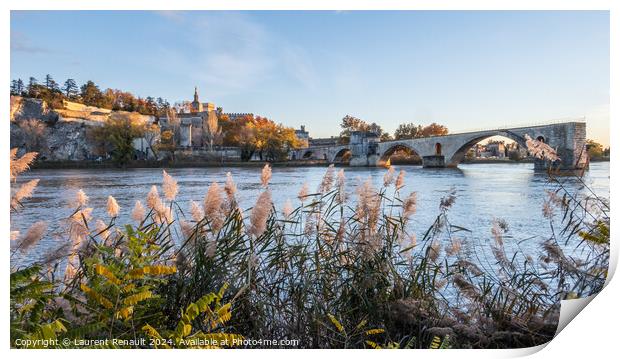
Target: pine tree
x=15 y=88
x=32 y=87
x=50 y=83
x=91 y=95
x=20 y=87
x=70 y=89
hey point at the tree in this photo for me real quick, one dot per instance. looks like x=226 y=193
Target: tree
x=70 y=89
x=17 y=87
x=271 y=140
x=32 y=87
x=350 y=123
x=410 y=130
x=258 y=135
x=91 y=95
x=171 y=135
x=162 y=107
x=594 y=148
x=151 y=133
x=50 y=84
x=211 y=129
x=434 y=129
x=116 y=137
x=406 y=131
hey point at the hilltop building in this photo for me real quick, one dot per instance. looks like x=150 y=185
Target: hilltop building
x=192 y=120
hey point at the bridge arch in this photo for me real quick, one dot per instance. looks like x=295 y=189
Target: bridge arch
x=460 y=153
x=343 y=155
x=307 y=155
x=385 y=156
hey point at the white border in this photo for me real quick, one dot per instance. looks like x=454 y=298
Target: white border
x=590 y=334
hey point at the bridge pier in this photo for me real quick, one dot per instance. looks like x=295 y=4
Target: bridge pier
x=434 y=161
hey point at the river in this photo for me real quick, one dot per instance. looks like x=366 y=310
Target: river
x=513 y=192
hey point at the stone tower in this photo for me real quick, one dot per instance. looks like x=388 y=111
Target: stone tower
x=196 y=105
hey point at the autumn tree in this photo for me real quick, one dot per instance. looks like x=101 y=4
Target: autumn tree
x=406 y=131
x=595 y=149
x=259 y=135
x=171 y=135
x=211 y=132
x=434 y=129
x=351 y=123
x=410 y=130
x=273 y=141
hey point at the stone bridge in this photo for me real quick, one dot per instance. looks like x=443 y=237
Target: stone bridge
x=365 y=149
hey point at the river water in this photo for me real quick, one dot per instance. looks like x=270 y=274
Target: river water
x=513 y=192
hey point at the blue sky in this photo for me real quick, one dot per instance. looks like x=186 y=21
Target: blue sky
x=464 y=69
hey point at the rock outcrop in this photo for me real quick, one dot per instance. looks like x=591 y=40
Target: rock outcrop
x=62 y=134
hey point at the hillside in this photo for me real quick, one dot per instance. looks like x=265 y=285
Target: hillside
x=59 y=134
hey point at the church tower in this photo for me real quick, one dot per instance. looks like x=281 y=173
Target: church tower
x=196 y=105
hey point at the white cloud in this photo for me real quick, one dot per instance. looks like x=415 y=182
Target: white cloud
x=228 y=52
x=298 y=64
x=21 y=43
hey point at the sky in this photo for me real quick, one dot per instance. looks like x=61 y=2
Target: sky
x=467 y=70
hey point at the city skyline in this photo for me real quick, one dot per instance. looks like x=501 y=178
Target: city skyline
x=465 y=70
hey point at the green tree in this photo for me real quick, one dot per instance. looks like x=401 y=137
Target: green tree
x=50 y=84
x=33 y=86
x=116 y=137
x=91 y=95
x=594 y=148
x=70 y=89
x=17 y=87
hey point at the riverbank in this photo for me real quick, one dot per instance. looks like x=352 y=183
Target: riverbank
x=171 y=164
x=200 y=164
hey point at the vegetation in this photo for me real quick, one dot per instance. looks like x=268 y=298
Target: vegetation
x=271 y=141
x=410 y=130
x=350 y=124
x=116 y=136
x=88 y=94
x=260 y=135
x=330 y=272
x=596 y=150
